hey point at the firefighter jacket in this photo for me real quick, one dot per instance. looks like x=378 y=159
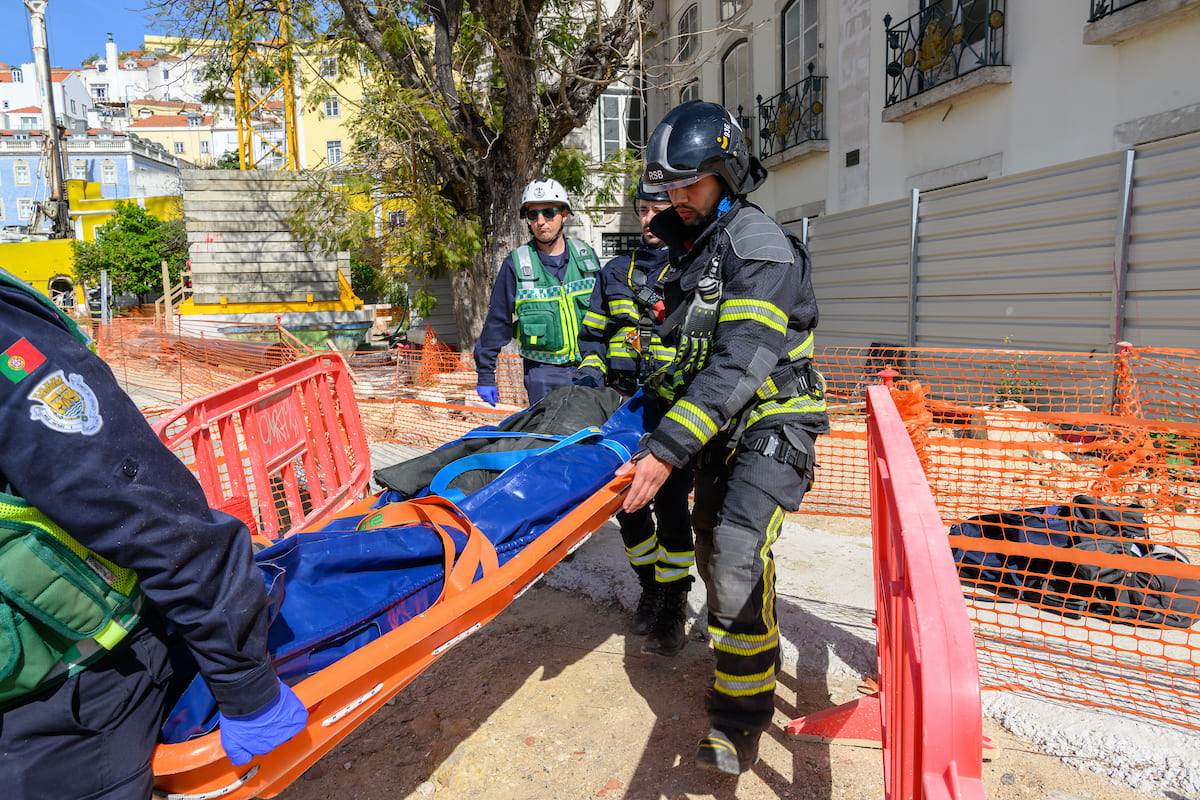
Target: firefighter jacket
x=75 y=447
x=758 y=369
x=547 y=296
x=618 y=339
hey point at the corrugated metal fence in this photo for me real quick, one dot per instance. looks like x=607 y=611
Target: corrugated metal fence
x=1071 y=258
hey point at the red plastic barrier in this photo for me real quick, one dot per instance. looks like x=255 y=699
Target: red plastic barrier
x=282 y=450
x=927 y=712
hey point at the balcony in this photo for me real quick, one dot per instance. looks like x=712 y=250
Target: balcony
x=793 y=117
x=943 y=51
x=1114 y=21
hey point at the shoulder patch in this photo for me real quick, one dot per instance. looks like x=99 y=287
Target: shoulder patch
x=65 y=403
x=20 y=360
x=756 y=237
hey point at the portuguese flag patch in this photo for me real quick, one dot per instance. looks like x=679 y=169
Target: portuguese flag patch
x=20 y=360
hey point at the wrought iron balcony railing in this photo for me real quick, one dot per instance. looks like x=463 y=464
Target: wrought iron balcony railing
x=1102 y=8
x=941 y=42
x=795 y=115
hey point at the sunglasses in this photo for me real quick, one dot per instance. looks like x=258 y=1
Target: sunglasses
x=531 y=214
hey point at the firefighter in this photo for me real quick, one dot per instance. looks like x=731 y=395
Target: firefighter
x=621 y=348
x=108 y=538
x=747 y=402
x=544 y=285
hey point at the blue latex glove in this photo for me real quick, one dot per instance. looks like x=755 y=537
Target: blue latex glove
x=261 y=732
x=488 y=394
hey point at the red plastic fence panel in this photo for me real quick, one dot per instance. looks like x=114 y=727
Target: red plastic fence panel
x=282 y=450
x=927 y=712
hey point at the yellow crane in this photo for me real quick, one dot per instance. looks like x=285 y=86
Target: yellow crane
x=264 y=68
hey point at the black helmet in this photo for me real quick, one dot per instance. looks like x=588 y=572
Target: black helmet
x=642 y=193
x=695 y=139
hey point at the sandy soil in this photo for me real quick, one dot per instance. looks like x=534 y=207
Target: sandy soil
x=554 y=700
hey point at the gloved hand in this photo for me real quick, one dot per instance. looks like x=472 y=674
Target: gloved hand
x=261 y=732
x=488 y=394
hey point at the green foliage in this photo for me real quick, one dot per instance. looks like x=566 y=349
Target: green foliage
x=131 y=247
x=90 y=59
x=228 y=160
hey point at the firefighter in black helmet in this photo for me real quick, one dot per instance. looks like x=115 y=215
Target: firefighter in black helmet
x=746 y=402
x=621 y=348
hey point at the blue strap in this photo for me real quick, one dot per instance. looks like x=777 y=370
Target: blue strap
x=496 y=462
x=492 y=434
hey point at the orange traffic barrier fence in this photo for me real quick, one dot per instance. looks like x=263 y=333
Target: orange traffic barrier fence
x=927 y=713
x=293 y=431
x=996 y=430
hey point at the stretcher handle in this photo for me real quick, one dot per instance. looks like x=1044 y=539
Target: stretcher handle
x=439 y=513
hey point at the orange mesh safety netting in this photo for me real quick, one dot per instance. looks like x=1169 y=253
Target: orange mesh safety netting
x=997 y=431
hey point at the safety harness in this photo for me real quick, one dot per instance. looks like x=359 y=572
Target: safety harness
x=62 y=606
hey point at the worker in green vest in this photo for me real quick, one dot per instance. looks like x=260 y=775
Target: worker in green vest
x=540 y=296
x=105 y=539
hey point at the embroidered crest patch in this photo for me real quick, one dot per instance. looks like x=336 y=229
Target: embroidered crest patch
x=67 y=405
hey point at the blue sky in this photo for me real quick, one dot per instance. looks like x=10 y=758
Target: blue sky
x=76 y=29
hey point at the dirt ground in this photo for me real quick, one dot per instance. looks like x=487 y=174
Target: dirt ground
x=553 y=699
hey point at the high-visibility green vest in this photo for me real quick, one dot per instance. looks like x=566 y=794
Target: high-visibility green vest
x=549 y=312
x=62 y=606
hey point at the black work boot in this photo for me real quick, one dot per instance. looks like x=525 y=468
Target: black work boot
x=648 y=605
x=668 y=637
x=731 y=752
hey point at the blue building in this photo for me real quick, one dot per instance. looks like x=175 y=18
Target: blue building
x=124 y=165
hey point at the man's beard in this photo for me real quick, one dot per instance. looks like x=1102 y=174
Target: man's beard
x=700 y=222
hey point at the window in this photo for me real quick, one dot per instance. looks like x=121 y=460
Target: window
x=690 y=92
x=689 y=23
x=364 y=69
x=24 y=208
x=332 y=108
x=730 y=8
x=21 y=173
x=333 y=151
x=965 y=21
x=166 y=74
x=178 y=148
x=100 y=91
x=73 y=107
x=194 y=120
x=108 y=173
x=736 y=93
x=397 y=219
x=21 y=137
x=28 y=124
x=16 y=75
x=130 y=64
x=620 y=122
x=79 y=169
x=204 y=148
x=101 y=66
x=615 y=244
x=329 y=67
x=800 y=40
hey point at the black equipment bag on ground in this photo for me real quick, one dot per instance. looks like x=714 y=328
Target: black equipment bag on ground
x=1068 y=586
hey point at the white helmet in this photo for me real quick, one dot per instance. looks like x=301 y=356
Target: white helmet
x=545 y=190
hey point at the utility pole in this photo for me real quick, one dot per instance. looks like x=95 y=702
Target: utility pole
x=55 y=208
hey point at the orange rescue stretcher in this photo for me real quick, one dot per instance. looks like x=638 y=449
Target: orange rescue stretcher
x=286 y=453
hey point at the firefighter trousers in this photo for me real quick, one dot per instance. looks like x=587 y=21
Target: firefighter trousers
x=739 y=510
x=658 y=536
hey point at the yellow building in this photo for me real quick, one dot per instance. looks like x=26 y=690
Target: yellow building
x=330 y=95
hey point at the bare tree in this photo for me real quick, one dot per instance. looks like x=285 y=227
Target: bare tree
x=466 y=101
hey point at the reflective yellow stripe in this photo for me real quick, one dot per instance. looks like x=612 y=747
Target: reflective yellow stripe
x=643 y=553
x=743 y=645
x=691 y=417
x=766 y=313
x=803 y=350
x=622 y=306
x=594 y=361
x=793 y=405
x=595 y=321
x=743 y=685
